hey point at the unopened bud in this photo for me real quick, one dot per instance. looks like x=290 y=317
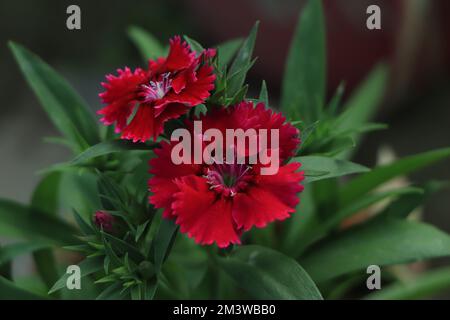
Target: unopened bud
x=104 y=220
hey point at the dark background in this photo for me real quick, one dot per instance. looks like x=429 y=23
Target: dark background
x=414 y=40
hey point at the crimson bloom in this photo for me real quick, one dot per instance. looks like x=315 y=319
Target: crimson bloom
x=216 y=203
x=166 y=90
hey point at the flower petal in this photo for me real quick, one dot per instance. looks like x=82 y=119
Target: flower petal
x=142 y=127
x=195 y=92
x=180 y=55
x=273 y=197
x=202 y=215
x=165 y=172
x=120 y=95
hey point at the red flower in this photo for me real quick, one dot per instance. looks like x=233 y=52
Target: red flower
x=216 y=203
x=165 y=91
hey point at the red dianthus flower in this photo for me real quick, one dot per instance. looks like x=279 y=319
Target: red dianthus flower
x=216 y=203
x=165 y=91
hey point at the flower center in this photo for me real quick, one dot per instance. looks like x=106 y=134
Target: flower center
x=228 y=179
x=156 y=90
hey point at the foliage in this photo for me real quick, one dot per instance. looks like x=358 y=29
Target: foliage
x=304 y=257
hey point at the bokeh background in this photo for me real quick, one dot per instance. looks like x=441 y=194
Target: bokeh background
x=414 y=40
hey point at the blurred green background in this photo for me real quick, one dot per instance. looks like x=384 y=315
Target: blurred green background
x=413 y=40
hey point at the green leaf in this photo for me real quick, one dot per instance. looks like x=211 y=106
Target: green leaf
x=366 y=201
x=9 y=291
x=108 y=147
x=63 y=105
x=336 y=101
x=9 y=252
x=242 y=62
x=227 y=50
x=87 y=267
x=405 y=204
x=368 y=181
x=46 y=195
x=424 y=286
x=46 y=198
x=263 y=94
x=140 y=230
x=268 y=274
x=85 y=228
x=123 y=247
x=162 y=243
x=332 y=219
x=195 y=46
x=111 y=293
x=363 y=103
x=327 y=167
x=148 y=45
x=21 y=222
x=299 y=224
x=307 y=131
x=380 y=242
x=303 y=91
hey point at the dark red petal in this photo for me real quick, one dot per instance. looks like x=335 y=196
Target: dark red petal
x=195 y=92
x=165 y=172
x=142 y=127
x=202 y=215
x=273 y=197
x=156 y=66
x=165 y=113
x=246 y=116
x=285 y=185
x=258 y=207
x=120 y=96
x=180 y=55
x=162 y=197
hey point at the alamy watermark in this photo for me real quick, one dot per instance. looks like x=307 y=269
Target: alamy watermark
x=239 y=147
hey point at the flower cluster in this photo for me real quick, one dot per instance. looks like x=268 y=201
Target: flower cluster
x=212 y=202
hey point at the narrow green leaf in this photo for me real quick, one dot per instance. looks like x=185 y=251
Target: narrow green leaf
x=335 y=102
x=9 y=291
x=242 y=62
x=424 y=286
x=108 y=147
x=329 y=167
x=63 y=105
x=162 y=243
x=405 y=204
x=87 y=267
x=111 y=293
x=123 y=247
x=21 y=222
x=363 y=103
x=368 y=181
x=307 y=131
x=195 y=45
x=227 y=50
x=85 y=228
x=263 y=94
x=303 y=91
x=366 y=201
x=46 y=198
x=268 y=274
x=148 y=45
x=9 y=252
x=380 y=242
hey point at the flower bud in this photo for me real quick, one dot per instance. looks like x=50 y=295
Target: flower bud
x=104 y=220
